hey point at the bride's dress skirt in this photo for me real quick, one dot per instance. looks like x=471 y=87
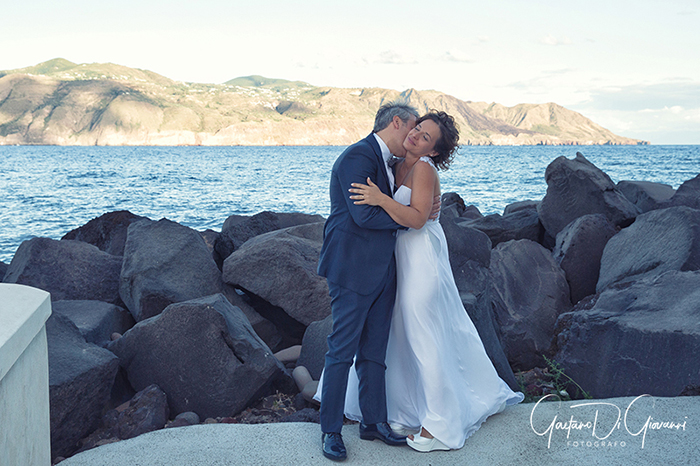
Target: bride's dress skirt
x=438 y=373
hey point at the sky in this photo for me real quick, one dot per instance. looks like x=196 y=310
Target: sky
x=631 y=66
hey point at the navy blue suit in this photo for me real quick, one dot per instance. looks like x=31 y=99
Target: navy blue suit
x=357 y=259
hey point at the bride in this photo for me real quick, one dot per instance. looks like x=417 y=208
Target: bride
x=440 y=384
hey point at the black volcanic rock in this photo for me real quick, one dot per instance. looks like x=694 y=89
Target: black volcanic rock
x=688 y=194
x=529 y=293
x=280 y=268
x=578 y=251
x=576 y=188
x=520 y=205
x=521 y=224
x=97 y=321
x=643 y=338
x=107 y=232
x=645 y=194
x=314 y=346
x=146 y=411
x=238 y=229
x=658 y=241
x=66 y=269
x=203 y=354
x=165 y=263
x=273 y=337
x=81 y=376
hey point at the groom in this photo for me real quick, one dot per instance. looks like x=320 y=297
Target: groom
x=357 y=259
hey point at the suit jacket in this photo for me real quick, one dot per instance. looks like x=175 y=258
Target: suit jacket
x=358 y=240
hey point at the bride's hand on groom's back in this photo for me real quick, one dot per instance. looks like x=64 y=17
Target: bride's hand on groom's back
x=435 y=211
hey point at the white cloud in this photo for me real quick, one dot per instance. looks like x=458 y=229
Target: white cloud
x=673 y=95
x=551 y=40
x=391 y=57
x=457 y=55
x=693 y=115
x=483 y=38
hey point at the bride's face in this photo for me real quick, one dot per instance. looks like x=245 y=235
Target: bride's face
x=421 y=139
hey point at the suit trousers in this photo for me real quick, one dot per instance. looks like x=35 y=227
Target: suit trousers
x=361 y=331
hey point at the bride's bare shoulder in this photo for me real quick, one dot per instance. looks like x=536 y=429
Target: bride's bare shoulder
x=428 y=164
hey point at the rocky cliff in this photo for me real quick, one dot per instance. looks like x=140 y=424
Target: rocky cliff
x=63 y=103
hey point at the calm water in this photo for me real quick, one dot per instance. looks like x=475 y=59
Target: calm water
x=48 y=191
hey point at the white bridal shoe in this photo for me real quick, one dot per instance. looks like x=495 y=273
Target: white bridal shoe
x=426 y=444
x=403 y=430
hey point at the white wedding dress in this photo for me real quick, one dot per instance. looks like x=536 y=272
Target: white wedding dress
x=438 y=374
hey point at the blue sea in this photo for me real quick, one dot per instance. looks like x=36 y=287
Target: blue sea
x=50 y=190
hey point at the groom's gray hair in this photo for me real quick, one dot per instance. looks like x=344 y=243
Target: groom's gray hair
x=386 y=114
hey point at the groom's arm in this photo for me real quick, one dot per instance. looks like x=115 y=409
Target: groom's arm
x=356 y=167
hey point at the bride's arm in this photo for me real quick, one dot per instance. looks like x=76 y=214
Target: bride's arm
x=411 y=216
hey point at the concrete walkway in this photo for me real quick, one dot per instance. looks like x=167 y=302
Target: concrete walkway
x=504 y=439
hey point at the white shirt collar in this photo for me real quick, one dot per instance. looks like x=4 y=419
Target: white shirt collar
x=386 y=154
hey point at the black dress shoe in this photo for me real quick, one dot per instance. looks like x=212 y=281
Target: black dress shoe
x=381 y=431
x=333 y=446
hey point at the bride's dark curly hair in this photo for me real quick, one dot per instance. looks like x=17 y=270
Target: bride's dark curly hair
x=448 y=142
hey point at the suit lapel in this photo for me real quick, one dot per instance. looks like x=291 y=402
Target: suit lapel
x=380 y=160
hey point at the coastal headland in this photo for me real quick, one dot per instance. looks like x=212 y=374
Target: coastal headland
x=63 y=103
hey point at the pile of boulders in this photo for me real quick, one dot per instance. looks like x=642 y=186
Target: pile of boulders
x=156 y=324
x=146 y=327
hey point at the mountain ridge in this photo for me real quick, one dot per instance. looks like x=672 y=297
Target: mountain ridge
x=59 y=102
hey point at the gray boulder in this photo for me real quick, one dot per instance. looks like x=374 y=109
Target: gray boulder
x=578 y=251
x=471 y=211
x=66 y=269
x=520 y=205
x=107 y=232
x=210 y=237
x=576 y=188
x=314 y=346
x=145 y=412
x=658 y=241
x=452 y=211
x=522 y=224
x=3 y=270
x=448 y=199
x=81 y=376
x=645 y=194
x=238 y=229
x=466 y=244
x=529 y=293
x=96 y=320
x=279 y=268
x=203 y=354
x=452 y=205
x=165 y=263
x=273 y=337
x=634 y=340
x=470 y=257
x=688 y=194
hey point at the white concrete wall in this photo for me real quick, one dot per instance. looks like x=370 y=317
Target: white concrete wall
x=25 y=432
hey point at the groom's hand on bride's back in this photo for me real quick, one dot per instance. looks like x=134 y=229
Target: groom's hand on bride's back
x=435 y=211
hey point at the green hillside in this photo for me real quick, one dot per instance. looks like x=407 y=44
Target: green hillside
x=60 y=102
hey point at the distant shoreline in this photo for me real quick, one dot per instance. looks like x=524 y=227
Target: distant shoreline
x=63 y=103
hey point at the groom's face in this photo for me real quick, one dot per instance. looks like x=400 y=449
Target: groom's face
x=402 y=132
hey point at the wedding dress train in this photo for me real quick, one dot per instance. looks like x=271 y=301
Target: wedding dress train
x=438 y=374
